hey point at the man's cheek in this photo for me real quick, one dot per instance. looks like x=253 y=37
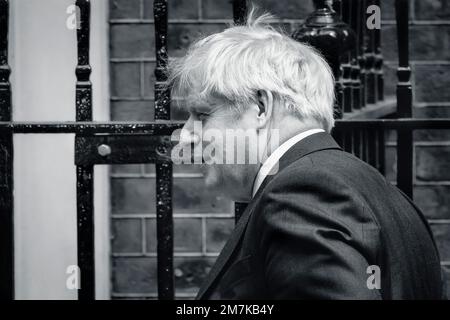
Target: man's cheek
x=213 y=152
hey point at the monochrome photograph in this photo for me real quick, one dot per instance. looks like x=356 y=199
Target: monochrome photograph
x=241 y=151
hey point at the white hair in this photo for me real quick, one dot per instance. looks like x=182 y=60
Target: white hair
x=236 y=63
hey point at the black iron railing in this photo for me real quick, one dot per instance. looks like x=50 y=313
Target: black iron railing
x=84 y=173
x=359 y=83
x=6 y=166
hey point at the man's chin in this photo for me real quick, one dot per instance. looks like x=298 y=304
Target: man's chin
x=214 y=180
x=212 y=177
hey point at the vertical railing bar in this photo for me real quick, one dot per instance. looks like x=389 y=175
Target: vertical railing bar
x=362 y=49
x=336 y=5
x=6 y=166
x=348 y=140
x=352 y=136
x=353 y=148
x=361 y=144
x=355 y=21
x=346 y=63
x=164 y=169
x=85 y=174
x=239 y=14
x=378 y=62
x=338 y=135
x=366 y=145
x=371 y=80
x=371 y=147
x=357 y=143
x=239 y=11
x=344 y=133
x=352 y=142
x=405 y=149
x=376 y=150
x=381 y=154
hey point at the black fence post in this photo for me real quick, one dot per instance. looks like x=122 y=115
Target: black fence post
x=362 y=45
x=164 y=168
x=371 y=78
x=379 y=62
x=381 y=151
x=346 y=65
x=239 y=11
x=84 y=174
x=356 y=70
x=239 y=14
x=6 y=166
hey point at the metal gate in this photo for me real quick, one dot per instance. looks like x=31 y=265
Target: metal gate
x=359 y=81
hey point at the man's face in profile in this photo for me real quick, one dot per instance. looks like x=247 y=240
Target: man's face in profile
x=226 y=141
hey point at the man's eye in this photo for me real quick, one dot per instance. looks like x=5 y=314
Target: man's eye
x=201 y=115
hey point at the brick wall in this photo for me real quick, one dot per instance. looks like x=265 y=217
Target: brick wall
x=204 y=221
x=430 y=63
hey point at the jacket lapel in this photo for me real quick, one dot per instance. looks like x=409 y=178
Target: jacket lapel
x=229 y=247
x=315 y=142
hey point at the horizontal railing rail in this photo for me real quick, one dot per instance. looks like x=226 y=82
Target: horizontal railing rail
x=165 y=127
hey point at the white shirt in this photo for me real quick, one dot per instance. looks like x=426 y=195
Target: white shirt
x=270 y=166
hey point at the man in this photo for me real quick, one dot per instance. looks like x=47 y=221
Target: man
x=321 y=224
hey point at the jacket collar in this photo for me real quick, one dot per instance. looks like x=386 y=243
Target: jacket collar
x=313 y=143
x=271 y=164
x=316 y=142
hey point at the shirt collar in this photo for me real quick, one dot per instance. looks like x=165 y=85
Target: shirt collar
x=270 y=166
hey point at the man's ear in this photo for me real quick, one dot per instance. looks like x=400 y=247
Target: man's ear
x=265 y=106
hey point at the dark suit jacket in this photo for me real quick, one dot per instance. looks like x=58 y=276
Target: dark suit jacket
x=312 y=230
